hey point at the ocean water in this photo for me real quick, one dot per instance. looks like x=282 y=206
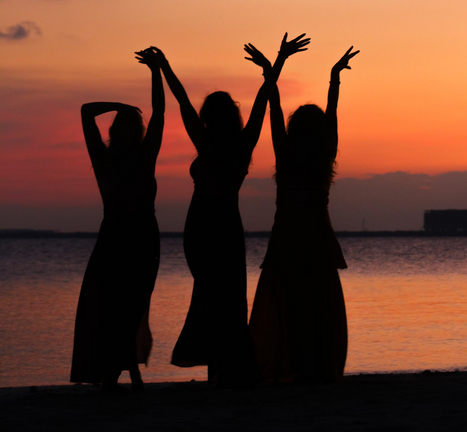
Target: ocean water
x=406 y=301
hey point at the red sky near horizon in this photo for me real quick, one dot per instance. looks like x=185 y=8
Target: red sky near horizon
x=402 y=106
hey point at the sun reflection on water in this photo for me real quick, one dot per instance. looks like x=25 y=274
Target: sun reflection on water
x=406 y=304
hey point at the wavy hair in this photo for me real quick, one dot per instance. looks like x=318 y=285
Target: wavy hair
x=127 y=130
x=220 y=113
x=308 y=138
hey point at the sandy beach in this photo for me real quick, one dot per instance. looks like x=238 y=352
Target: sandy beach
x=428 y=401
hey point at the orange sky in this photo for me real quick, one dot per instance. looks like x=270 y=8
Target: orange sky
x=402 y=106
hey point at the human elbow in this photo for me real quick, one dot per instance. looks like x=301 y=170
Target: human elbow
x=84 y=109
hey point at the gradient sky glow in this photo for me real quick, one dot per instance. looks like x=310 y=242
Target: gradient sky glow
x=402 y=106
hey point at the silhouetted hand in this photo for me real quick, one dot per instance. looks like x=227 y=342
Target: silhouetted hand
x=160 y=55
x=343 y=63
x=148 y=57
x=293 y=46
x=257 y=56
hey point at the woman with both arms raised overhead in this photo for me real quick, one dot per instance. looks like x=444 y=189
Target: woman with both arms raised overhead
x=298 y=322
x=215 y=332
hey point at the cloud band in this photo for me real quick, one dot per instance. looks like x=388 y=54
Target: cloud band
x=20 y=31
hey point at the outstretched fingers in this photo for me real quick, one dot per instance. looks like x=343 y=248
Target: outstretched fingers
x=250 y=48
x=140 y=58
x=343 y=63
x=299 y=37
x=257 y=56
x=297 y=44
x=302 y=44
x=350 y=54
x=249 y=51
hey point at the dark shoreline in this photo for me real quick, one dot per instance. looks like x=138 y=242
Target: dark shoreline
x=41 y=234
x=427 y=401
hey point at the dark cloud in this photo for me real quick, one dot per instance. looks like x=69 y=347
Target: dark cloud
x=62 y=218
x=20 y=31
x=394 y=201
x=391 y=201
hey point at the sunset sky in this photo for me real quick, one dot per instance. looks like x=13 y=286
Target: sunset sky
x=402 y=108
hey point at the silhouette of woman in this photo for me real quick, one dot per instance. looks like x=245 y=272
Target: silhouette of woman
x=298 y=322
x=112 y=332
x=216 y=331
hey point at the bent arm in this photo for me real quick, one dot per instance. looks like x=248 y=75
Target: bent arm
x=92 y=135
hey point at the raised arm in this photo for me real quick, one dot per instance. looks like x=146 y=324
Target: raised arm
x=92 y=135
x=191 y=120
x=333 y=92
x=153 y=137
x=252 y=129
x=278 y=131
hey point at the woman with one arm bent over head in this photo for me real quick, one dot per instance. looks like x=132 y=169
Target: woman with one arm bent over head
x=215 y=332
x=112 y=332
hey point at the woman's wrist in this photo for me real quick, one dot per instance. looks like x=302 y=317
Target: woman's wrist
x=335 y=77
x=267 y=69
x=163 y=62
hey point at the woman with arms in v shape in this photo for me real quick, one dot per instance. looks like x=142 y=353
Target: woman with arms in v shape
x=112 y=331
x=216 y=332
x=298 y=323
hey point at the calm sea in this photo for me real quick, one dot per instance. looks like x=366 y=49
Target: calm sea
x=406 y=302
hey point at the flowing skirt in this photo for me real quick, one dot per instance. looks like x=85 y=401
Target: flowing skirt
x=299 y=334
x=216 y=329
x=112 y=330
x=298 y=322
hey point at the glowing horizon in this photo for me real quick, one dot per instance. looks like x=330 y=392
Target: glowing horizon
x=401 y=108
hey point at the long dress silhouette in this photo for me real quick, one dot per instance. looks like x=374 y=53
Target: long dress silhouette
x=298 y=321
x=215 y=331
x=112 y=332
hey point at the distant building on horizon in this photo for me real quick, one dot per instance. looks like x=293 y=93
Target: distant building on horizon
x=447 y=222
